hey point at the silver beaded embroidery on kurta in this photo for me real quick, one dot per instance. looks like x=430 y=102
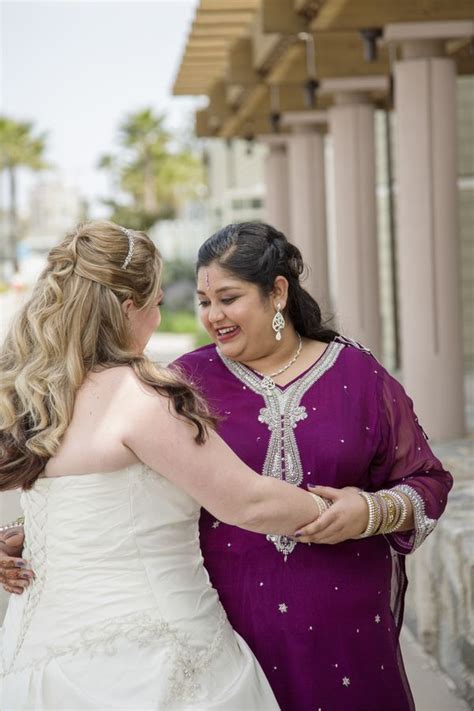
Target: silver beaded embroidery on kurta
x=423 y=524
x=281 y=414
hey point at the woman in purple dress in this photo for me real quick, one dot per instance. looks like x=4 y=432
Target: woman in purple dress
x=322 y=612
x=311 y=408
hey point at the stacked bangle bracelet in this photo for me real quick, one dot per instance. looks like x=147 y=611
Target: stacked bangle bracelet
x=388 y=511
x=322 y=504
x=20 y=521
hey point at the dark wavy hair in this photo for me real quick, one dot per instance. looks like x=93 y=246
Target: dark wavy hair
x=257 y=253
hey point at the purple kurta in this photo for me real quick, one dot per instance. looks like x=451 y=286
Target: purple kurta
x=322 y=620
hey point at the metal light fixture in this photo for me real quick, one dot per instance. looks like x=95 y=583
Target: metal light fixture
x=370 y=35
x=249 y=138
x=312 y=84
x=275 y=115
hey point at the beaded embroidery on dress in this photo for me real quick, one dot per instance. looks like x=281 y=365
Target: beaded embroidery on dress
x=282 y=413
x=121 y=614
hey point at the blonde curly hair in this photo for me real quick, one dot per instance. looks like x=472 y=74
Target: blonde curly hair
x=72 y=324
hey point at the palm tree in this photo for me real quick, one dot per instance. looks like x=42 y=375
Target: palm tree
x=19 y=148
x=156 y=175
x=144 y=135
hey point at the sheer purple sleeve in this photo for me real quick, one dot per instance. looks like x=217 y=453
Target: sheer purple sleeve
x=405 y=461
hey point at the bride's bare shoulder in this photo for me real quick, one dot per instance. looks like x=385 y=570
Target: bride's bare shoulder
x=120 y=381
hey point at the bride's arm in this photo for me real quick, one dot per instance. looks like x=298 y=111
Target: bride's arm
x=211 y=473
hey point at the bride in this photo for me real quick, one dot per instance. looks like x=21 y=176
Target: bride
x=115 y=458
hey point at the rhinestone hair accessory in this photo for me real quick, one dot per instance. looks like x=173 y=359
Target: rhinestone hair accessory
x=131 y=245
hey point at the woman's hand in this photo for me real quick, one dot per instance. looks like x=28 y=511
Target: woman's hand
x=346 y=518
x=15 y=575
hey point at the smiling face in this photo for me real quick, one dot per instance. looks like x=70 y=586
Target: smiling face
x=236 y=315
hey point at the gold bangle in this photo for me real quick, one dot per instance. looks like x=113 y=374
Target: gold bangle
x=392 y=509
x=403 y=510
x=372 y=522
x=398 y=509
x=383 y=512
x=321 y=504
x=20 y=521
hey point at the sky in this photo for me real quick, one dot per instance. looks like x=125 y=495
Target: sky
x=76 y=68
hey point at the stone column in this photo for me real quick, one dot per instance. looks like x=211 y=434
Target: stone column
x=307 y=192
x=351 y=122
x=277 y=201
x=428 y=233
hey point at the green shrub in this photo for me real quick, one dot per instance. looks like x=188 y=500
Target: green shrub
x=178 y=321
x=183 y=322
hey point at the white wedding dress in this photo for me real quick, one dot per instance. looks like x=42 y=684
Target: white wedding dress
x=121 y=614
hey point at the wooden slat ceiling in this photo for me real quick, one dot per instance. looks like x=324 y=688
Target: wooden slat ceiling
x=217 y=24
x=256 y=42
x=355 y=14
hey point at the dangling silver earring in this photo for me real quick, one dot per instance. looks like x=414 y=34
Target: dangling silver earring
x=278 y=323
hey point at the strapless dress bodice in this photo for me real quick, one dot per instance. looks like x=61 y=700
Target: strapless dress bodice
x=118 y=565
x=132 y=526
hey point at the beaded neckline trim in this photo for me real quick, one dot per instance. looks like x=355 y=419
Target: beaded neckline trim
x=253 y=381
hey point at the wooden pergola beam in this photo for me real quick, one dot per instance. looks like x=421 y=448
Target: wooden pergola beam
x=201 y=123
x=210 y=17
x=213 y=52
x=257 y=108
x=228 y=5
x=244 y=46
x=279 y=16
x=217 y=25
x=203 y=62
x=217 y=31
x=207 y=42
x=218 y=105
x=264 y=45
x=303 y=5
x=336 y=53
x=350 y=15
x=193 y=90
x=196 y=75
x=239 y=69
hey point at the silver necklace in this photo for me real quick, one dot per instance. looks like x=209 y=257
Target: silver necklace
x=268 y=383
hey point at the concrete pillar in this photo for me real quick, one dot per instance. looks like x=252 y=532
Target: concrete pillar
x=351 y=122
x=277 y=201
x=428 y=237
x=308 y=199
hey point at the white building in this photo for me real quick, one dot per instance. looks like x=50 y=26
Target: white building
x=236 y=181
x=236 y=193
x=54 y=208
x=180 y=239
